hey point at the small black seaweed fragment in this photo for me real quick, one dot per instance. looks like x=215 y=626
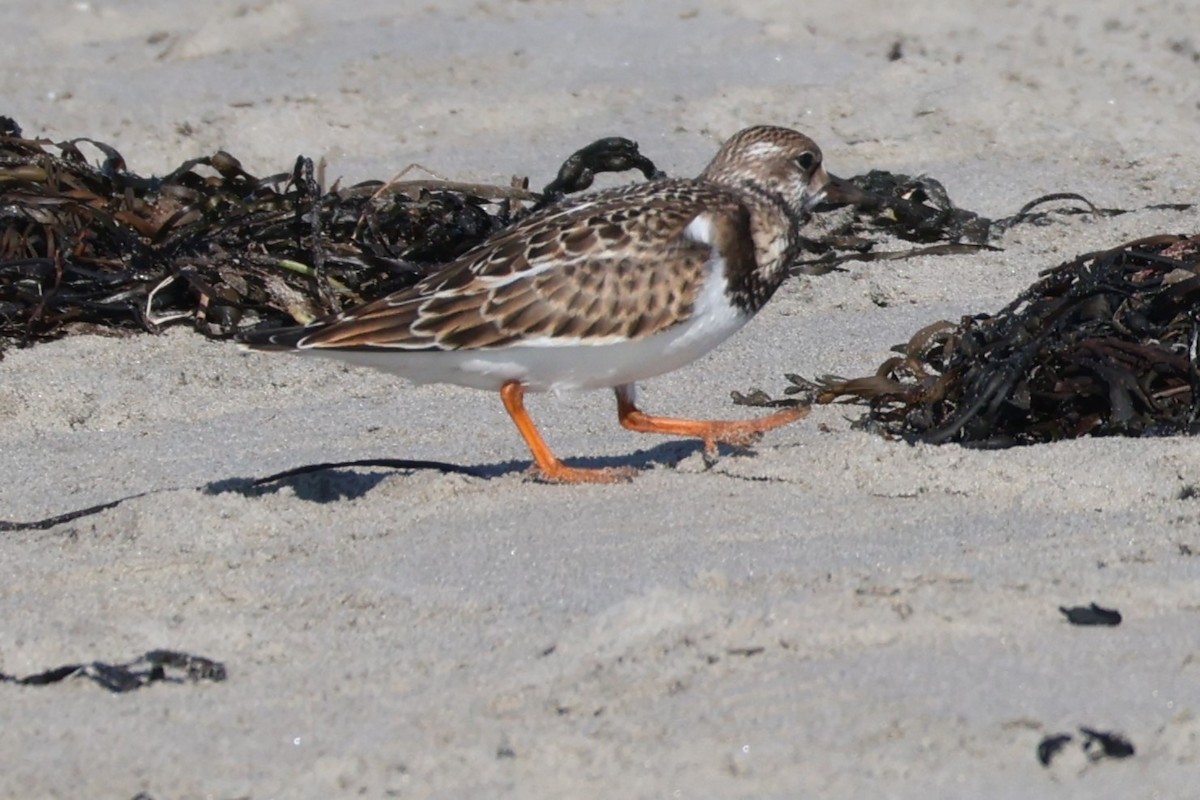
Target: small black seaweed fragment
x=1103 y=744
x=1049 y=747
x=1096 y=745
x=156 y=666
x=1091 y=615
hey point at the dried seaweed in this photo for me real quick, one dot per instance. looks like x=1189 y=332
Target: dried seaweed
x=1105 y=344
x=1094 y=744
x=156 y=666
x=1091 y=615
x=1105 y=744
x=87 y=245
x=1049 y=747
x=919 y=210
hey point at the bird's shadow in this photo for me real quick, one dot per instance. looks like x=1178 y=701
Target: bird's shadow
x=349 y=480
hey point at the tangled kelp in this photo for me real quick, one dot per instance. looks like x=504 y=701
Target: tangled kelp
x=1104 y=344
x=918 y=209
x=85 y=245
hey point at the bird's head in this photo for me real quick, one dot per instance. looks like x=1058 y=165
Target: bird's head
x=779 y=162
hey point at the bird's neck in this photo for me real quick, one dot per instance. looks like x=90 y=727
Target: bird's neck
x=775 y=231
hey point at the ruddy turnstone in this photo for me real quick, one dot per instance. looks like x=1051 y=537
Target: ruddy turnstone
x=598 y=291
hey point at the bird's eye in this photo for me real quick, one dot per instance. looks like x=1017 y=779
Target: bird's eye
x=806 y=160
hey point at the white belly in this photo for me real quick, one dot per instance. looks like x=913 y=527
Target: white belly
x=555 y=367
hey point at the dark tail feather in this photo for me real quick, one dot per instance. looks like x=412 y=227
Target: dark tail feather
x=273 y=339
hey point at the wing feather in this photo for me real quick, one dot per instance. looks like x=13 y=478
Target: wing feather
x=620 y=263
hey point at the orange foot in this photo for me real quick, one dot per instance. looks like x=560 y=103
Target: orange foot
x=739 y=433
x=546 y=466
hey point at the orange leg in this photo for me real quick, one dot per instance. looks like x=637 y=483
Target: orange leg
x=513 y=395
x=739 y=433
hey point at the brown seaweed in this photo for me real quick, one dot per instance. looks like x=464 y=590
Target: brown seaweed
x=1105 y=344
x=86 y=246
x=919 y=210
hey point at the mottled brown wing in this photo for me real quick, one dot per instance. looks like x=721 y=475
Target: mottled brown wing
x=613 y=265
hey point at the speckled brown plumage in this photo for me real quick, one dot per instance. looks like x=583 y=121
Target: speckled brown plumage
x=612 y=265
x=571 y=272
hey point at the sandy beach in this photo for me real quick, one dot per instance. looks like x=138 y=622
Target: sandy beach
x=830 y=615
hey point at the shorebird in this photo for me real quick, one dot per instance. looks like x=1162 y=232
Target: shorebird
x=598 y=291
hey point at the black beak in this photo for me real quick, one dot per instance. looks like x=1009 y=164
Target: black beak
x=840 y=192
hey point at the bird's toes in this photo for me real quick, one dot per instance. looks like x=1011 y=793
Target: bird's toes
x=561 y=473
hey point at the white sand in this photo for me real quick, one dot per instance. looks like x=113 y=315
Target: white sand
x=834 y=616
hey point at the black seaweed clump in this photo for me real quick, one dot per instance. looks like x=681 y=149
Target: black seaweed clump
x=96 y=247
x=1105 y=344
